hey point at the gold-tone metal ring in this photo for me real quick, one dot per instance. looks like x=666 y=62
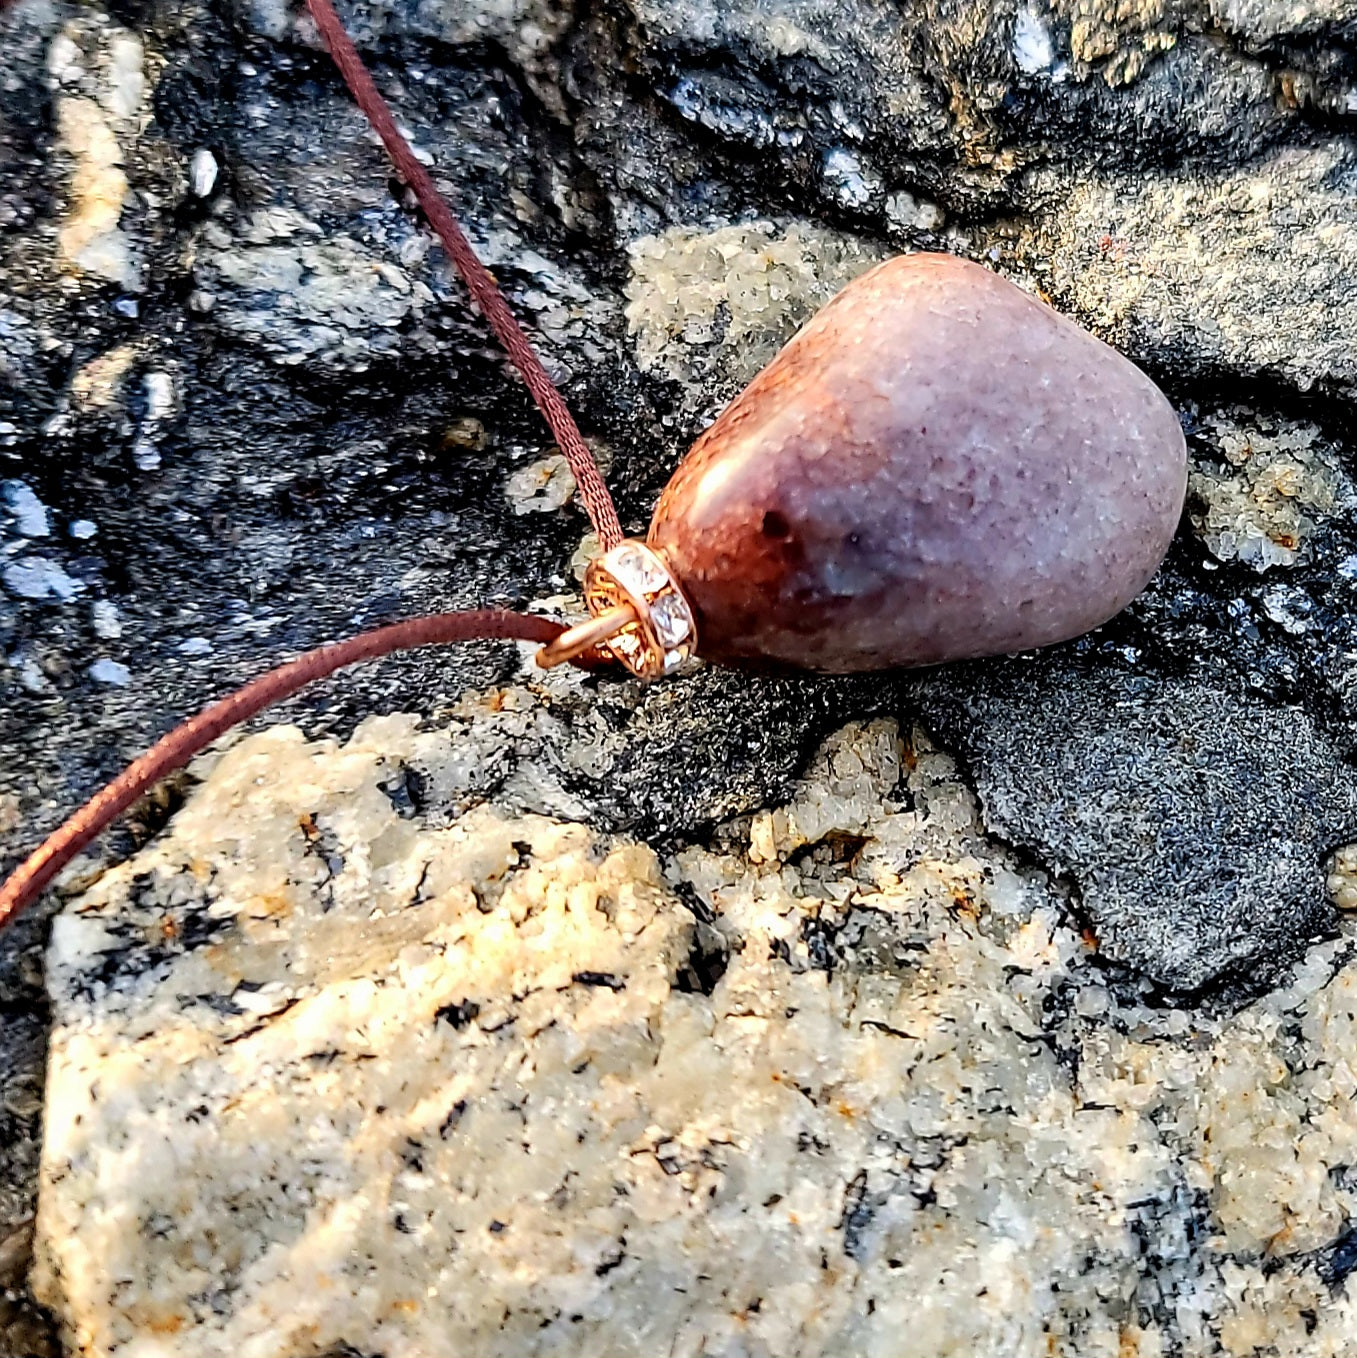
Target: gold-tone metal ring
x=640 y=615
x=585 y=636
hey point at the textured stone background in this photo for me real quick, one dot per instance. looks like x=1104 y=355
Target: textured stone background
x=224 y=343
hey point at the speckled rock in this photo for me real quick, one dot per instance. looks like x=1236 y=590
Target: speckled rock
x=1260 y=490
x=1273 y=303
x=937 y=467
x=709 y=309
x=1263 y=786
x=842 y=1080
x=1264 y=21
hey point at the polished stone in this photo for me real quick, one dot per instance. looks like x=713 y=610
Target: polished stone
x=937 y=466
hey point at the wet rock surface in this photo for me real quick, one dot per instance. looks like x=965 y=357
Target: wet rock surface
x=243 y=408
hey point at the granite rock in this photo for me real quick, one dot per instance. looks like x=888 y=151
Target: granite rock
x=1273 y=305
x=473 y=1088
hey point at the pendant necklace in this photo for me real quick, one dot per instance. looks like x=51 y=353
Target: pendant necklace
x=938 y=466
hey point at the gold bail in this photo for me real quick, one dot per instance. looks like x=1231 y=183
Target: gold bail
x=637 y=614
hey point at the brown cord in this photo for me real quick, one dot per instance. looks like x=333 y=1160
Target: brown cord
x=482 y=286
x=187 y=740
x=176 y=749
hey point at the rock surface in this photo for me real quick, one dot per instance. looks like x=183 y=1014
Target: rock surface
x=843 y=1079
x=1261 y=784
x=249 y=408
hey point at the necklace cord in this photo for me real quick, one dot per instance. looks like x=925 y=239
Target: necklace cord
x=175 y=750
x=480 y=282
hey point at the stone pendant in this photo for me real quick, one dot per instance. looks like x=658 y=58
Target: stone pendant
x=938 y=466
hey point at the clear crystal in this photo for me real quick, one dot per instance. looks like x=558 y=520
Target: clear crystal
x=636 y=570
x=670 y=619
x=673 y=659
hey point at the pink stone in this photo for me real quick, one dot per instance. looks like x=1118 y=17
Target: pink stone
x=937 y=466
